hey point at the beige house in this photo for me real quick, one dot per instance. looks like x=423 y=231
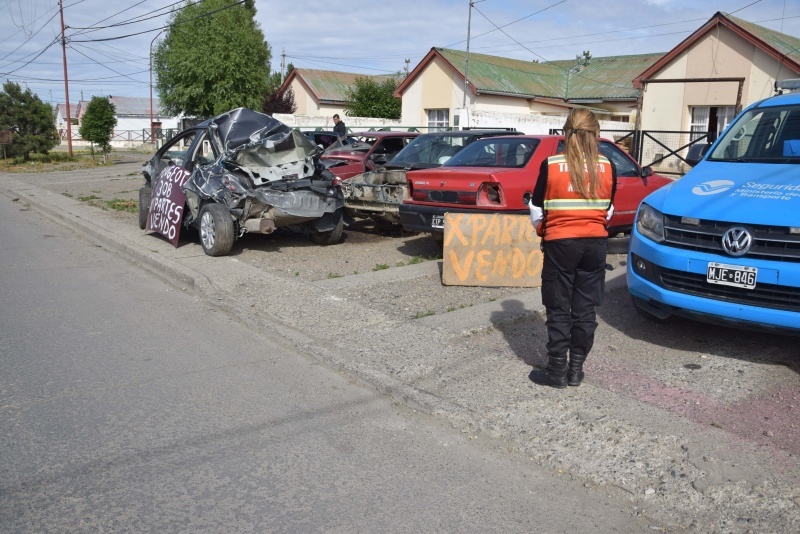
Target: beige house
x=321 y=93
x=444 y=85
x=722 y=67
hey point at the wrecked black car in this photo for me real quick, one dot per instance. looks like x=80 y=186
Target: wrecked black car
x=378 y=194
x=240 y=172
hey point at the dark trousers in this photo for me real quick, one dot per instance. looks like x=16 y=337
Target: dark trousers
x=573 y=278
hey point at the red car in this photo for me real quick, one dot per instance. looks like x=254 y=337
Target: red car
x=370 y=151
x=498 y=174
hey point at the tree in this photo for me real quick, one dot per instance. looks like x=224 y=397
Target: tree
x=370 y=98
x=98 y=124
x=29 y=119
x=274 y=100
x=213 y=59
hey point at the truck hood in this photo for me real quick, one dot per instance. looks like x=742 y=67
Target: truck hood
x=755 y=193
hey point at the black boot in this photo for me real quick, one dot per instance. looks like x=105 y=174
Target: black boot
x=575 y=374
x=554 y=375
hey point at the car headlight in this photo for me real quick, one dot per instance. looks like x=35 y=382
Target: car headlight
x=650 y=223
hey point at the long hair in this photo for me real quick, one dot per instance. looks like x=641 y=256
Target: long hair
x=580 y=148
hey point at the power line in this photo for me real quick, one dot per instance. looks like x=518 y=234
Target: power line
x=164 y=27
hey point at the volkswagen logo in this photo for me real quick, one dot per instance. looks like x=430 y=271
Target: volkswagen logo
x=737 y=241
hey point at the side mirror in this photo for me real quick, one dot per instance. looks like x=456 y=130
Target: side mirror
x=526 y=197
x=647 y=171
x=696 y=153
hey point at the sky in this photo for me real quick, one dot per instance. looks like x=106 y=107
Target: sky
x=366 y=37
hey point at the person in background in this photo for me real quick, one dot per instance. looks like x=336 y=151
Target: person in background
x=570 y=209
x=338 y=126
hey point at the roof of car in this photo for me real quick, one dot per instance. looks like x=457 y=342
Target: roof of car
x=460 y=133
x=383 y=133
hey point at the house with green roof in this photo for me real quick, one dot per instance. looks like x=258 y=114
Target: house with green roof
x=447 y=80
x=321 y=92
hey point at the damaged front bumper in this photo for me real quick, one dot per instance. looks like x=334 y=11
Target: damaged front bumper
x=376 y=194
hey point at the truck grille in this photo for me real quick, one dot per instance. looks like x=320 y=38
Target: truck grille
x=773 y=243
x=763 y=295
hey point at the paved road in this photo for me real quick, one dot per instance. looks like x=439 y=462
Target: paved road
x=129 y=405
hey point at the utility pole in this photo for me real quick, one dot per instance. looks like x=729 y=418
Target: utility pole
x=152 y=128
x=66 y=81
x=408 y=61
x=466 y=58
x=283 y=63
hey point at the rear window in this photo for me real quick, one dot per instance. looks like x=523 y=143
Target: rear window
x=505 y=152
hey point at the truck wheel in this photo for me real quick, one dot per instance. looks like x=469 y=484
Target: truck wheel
x=145 y=194
x=216 y=229
x=329 y=237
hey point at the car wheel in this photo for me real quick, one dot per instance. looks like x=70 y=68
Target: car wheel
x=145 y=195
x=647 y=315
x=216 y=229
x=438 y=238
x=619 y=244
x=329 y=237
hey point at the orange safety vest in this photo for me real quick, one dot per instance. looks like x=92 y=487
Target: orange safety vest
x=567 y=214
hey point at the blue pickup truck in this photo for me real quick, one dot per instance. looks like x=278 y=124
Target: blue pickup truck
x=722 y=244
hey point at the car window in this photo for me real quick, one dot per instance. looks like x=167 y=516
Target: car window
x=430 y=149
x=205 y=151
x=175 y=153
x=623 y=164
x=762 y=134
x=505 y=152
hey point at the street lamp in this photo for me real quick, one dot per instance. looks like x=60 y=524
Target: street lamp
x=152 y=129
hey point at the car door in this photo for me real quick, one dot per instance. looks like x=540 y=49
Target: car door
x=186 y=150
x=631 y=185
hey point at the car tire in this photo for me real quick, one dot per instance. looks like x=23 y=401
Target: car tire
x=647 y=315
x=145 y=195
x=330 y=237
x=438 y=238
x=619 y=244
x=216 y=229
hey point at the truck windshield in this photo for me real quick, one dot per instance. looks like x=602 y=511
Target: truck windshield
x=764 y=135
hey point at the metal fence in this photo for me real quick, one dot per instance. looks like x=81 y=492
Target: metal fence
x=665 y=151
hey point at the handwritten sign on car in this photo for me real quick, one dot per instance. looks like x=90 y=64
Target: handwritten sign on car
x=491 y=250
x=166 y=206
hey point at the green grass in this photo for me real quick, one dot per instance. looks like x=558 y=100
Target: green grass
x=420 y=315
x=334 y=275
x=380 y=267
x=118 y=204
x=90 y=197
x=67 y=194
x=415 y=260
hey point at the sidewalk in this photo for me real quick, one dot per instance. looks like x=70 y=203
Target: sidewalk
x=674 y=471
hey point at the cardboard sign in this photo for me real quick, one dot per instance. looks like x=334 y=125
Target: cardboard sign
x=491 y=250
x=166 y=206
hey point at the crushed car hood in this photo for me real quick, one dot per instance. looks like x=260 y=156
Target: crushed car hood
x=264 y=147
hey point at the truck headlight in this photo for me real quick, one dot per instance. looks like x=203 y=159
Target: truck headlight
x=650 y=223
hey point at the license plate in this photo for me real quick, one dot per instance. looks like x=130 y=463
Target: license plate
x=731 y=275
x=437 y=221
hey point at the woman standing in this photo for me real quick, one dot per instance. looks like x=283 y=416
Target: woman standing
x=571 y=205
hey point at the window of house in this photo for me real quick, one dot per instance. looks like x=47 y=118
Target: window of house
x=438 y=119
x=711 y=119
